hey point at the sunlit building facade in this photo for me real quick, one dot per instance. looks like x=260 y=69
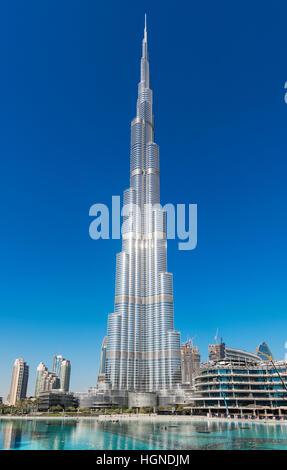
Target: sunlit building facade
x=190 y=362
x=57 y=364
x=19 y=382
x=65 y=374
x=62 y=368
x=143 y=349
x=45 y=380
x=227 y=387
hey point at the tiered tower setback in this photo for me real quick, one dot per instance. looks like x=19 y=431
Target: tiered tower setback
x=143 y=349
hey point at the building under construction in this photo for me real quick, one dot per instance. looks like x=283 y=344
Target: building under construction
x=227 y=387
x=219 y=352
x=190 y=362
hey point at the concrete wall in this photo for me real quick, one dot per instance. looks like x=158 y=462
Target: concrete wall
x=142 y=399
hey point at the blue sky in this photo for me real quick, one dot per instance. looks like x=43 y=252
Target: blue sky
x=68 y=88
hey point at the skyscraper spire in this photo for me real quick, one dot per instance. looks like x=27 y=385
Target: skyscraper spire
x=144 y=60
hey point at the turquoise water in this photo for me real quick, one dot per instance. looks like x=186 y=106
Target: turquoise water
x=68 y=434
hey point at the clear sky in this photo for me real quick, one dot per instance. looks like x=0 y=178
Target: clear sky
x=68 y=89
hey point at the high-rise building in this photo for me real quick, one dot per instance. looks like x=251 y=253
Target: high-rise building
x=102 y=368
x=190 y=362
x=263 y=351
x=41 y=369
x=19 y=381
x=216 y=351
x=45 y=380
x=62 y=368
x=57 y=364
x=220 y=351
x=143 y=349
x=65 y=373
x=50 y=381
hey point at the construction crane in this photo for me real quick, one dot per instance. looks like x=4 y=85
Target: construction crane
x=191 y=341
x=215 y=337
x=271 y=360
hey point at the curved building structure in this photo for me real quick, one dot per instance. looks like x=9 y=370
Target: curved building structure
x=263 y=351
x=240 y=356
x=143 y=349
x=220 y=351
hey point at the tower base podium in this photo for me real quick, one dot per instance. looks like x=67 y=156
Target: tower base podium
x=142 y=399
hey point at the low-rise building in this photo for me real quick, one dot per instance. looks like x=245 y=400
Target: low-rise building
x=241 y=357
x=88 y=400
x=219 y=352
x=228 y=387
x=56 y=397
x=62 y=369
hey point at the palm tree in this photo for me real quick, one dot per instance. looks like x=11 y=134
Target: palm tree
x=36 y=402
x=29 y=404
x=20 y=405
x=24 y=405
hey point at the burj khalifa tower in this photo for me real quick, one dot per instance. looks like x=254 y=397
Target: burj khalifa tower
x=143 y=349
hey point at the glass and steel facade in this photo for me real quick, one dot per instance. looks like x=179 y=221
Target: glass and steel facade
x=62 y=368
x=57 y=397
x=65 y=373
x=263 y=351
x=58 y=359
x=143 y=349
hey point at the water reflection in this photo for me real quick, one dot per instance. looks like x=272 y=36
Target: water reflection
x=65 y=434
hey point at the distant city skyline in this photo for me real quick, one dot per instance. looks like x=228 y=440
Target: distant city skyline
x=68 y=83
x=42 y=377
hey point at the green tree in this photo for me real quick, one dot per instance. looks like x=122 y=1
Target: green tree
x=71 y=409
x=180 y=409
x=7 y=410
x=29 y=405
x=36 y=403
x=22 y=405
x=85 y=410
x=56 y=409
